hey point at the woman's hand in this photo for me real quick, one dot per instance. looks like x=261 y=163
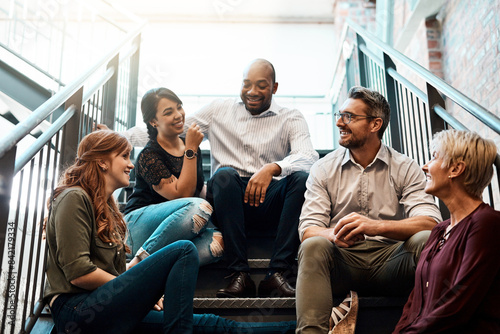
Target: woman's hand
x=194 y=136
x=159 y=305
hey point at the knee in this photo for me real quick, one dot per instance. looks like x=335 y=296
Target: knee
x=224 y=177
x=315 y=251
x=299 y=178
x=417 y=241
x=187 y=248
x=201 y=214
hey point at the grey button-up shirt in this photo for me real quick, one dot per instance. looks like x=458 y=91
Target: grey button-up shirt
x=391 y=187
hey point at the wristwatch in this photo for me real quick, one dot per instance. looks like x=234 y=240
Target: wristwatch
x=190 y=154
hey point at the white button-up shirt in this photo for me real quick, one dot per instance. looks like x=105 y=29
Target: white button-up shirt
x=247 y=142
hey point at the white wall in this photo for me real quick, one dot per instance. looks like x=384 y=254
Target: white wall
x=208 y=59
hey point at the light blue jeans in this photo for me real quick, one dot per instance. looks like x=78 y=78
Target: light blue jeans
x=155 y=226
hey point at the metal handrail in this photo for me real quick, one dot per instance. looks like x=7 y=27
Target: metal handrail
x=23 y=128
x=478 y=111
x=43 y=139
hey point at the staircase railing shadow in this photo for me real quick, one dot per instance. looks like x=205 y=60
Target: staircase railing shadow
x=105 y=93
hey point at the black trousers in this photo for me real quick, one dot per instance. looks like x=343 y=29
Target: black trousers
x=280 y=213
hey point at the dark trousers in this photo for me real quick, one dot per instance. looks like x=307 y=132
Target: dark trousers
x=280 y=213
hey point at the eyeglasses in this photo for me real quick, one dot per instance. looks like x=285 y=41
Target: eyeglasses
x=347 y=117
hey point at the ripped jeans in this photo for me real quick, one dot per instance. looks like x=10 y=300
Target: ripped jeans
x=153 y=227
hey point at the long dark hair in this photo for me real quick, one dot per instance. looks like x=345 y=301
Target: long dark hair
x=86 y=173
x=149 y=104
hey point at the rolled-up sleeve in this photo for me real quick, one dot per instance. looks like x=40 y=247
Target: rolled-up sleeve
x=317 y=204
x=73 y=235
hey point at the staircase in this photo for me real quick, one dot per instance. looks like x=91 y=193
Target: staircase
x=27 y=175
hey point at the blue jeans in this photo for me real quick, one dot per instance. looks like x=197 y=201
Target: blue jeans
x=124 y=304
x=155 y=226
x=279 y=213
x=120 y=305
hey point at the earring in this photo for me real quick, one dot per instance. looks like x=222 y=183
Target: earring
x=104 y=169
x=449 y=176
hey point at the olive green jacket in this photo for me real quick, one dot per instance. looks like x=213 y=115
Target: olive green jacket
x=74 y=249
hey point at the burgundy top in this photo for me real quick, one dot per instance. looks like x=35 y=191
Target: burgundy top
x=457 y=286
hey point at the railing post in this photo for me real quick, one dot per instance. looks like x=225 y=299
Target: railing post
x=7 y=163
x=392 y=98
x=437 y=124
x=435 y=98
x=133 y=83
x=361 y=61
x=110 y=94
x=71 y=131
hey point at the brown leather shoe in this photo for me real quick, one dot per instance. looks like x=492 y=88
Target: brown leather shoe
x=276 y=286
x=241 y=286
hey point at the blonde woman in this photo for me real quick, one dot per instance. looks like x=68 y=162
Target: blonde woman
x=457 y=281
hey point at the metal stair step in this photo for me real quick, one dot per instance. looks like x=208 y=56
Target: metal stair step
x=258 y=263
x=244 y=303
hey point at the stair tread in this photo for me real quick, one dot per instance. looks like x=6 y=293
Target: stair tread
x=201 y=301
x=233 y=303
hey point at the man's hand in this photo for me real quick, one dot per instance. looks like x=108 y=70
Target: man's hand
x=353 y=228
x=255 y=193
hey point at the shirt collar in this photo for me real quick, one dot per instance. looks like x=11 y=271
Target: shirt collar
x=382 y=155
x=273 y=110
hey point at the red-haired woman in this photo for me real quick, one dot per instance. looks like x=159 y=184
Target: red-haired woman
x=87 y=288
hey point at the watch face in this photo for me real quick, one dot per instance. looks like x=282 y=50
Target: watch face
x=190 y=154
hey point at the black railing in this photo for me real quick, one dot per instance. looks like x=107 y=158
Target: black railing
x=415 y=115
x=105 y=93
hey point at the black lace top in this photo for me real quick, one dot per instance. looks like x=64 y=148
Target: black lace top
x=153 y=165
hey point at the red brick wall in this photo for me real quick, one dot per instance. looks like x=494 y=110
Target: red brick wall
x=471 y=55
x=471 y=49
x=360 y=11
x=462 y=46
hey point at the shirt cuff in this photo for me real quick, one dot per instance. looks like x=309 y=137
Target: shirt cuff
x=142 y=254
x=78 y=268
x=286 y=168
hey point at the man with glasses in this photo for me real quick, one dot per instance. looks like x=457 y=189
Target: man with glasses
x=364 y=221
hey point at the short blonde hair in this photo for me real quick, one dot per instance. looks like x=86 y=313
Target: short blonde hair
x=477 y=153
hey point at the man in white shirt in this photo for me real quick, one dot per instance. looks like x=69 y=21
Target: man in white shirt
x=260 y=155
x=364 y=221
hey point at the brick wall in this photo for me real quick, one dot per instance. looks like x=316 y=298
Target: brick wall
x=360 y=11
x=462 y=46
x=471 y=40
x=471 y=55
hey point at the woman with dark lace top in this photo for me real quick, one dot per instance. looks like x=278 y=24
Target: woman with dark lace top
x=165 y=205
